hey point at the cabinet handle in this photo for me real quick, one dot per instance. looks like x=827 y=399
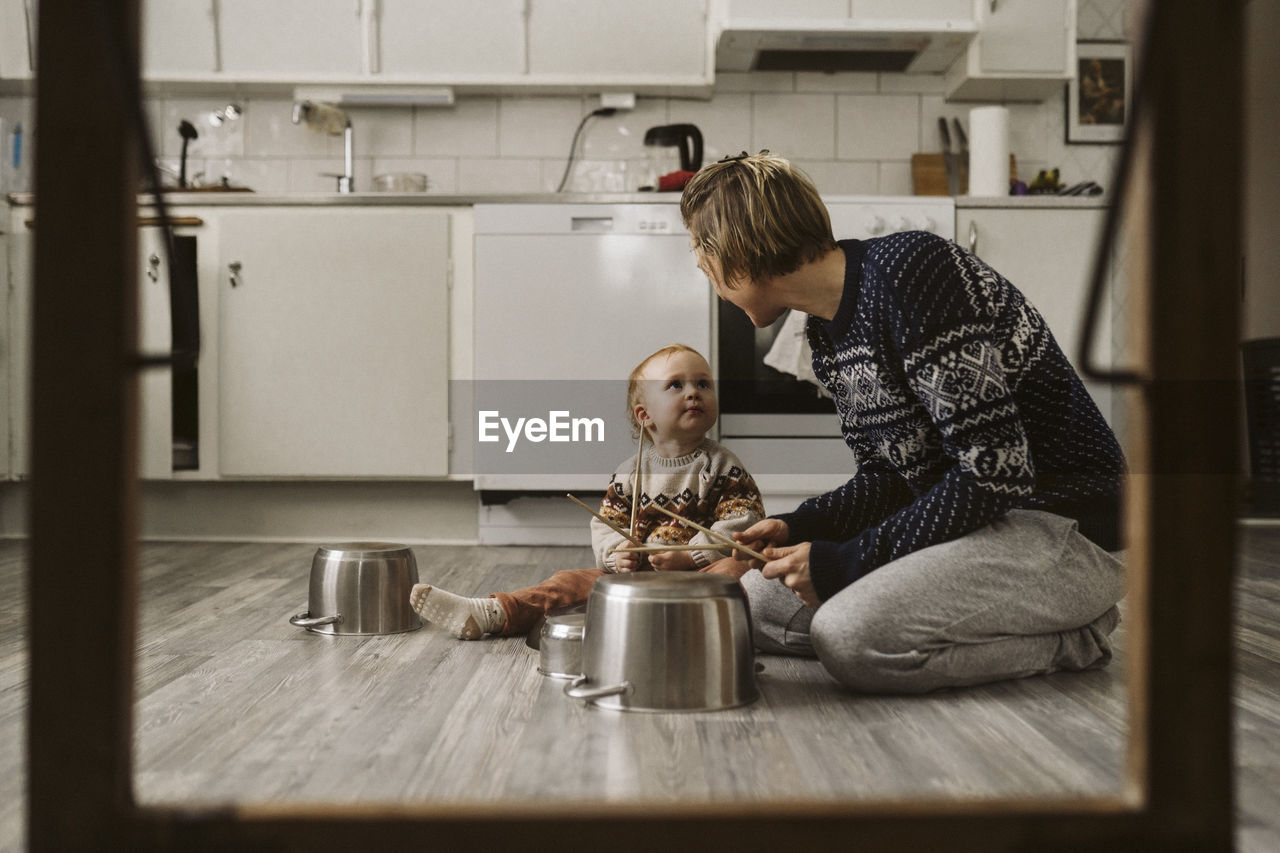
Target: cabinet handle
x=153 y=267
x=235 y=267
x=973 y=237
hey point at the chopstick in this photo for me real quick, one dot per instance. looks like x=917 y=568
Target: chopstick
x=624 y=534
x=719 y=537
x=654 y=549
x=635 y=487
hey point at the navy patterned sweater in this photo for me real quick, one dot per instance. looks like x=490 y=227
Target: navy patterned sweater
x=958 y=405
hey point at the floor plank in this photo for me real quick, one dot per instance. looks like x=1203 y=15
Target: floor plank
x=235 y=704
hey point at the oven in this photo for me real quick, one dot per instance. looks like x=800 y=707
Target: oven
x=779 y=422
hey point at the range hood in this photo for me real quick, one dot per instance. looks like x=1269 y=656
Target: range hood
x=914 y=46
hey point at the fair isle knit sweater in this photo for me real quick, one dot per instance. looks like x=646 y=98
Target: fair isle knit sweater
x=958 y=405
x=709 y=486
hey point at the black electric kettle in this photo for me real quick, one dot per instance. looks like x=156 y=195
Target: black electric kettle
x=686 y=137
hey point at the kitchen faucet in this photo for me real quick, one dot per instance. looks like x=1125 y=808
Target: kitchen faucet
x=328 y=119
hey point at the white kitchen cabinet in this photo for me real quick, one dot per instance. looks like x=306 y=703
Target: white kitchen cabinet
x=1024 y=51
x=155 y=442
x=17 y=39
x=179 y=38
x=291 y=41
x=444 y=39
x=618 y=40
x=333 y=343
x=553 y=45
x=170 y=403
x=6 y=356
x=1048 y=254
x=19 y=245
x=837 y=10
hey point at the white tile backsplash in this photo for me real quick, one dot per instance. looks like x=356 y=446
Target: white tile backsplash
x=467 y=129
x=538 y=127
x=725 y=122
x=877 y=127
x=833 y=177
x=505 y=175
x=795 y=126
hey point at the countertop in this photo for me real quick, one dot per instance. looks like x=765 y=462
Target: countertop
x=251 y=199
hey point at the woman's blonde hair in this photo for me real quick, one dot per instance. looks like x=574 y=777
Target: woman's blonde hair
x=637 y=376
x=757 y=216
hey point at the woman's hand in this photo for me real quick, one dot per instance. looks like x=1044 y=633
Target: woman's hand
x=766 y=533
x=625 y=561
x=791 y=566
x=672 y=561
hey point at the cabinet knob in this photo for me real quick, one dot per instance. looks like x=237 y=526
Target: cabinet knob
x=973 y=237
x=153 y=267
x=235 y=268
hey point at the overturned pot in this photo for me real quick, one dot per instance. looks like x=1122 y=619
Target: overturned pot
x=560 y=645
x=361 y=588
x=666 y=641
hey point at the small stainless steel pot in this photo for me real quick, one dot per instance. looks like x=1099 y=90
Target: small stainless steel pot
x=666 y=641
x=560 y=645
x=361 y=588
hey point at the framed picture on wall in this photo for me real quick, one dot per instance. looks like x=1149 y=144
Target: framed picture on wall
x=1098 y=97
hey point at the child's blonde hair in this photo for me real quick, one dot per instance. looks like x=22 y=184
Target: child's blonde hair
x=757 y=216
x=636 y=377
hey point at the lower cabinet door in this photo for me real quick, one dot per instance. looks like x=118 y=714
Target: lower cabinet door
x=333 y=343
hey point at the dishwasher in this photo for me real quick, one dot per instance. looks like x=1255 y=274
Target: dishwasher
x=568 y=299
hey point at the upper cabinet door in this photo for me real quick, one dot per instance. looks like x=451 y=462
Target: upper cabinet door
x=179 y=38
x=291 y=39
x=1024 y=51
x=1024 y=36
x=614 y=39
x=445 y=37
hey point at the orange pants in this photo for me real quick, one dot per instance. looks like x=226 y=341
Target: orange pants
x=525 y=607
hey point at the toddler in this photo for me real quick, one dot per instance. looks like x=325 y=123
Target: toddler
x=672 y=399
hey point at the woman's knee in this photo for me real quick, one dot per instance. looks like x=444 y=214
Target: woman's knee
x=856 y=650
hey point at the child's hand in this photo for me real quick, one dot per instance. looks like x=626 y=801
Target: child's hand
x=625 y=561
x=672 y=561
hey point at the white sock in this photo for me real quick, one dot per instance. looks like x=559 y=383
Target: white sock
x=464 y=618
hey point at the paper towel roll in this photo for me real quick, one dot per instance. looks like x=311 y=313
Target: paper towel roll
x=988 y=151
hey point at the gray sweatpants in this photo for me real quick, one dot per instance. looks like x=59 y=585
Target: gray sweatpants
x=1025 y=595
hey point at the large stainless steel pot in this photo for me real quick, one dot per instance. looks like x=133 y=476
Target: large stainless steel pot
x=666 y=641
x=361 y=588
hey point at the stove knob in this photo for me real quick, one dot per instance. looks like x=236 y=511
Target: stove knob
x=902 y=223
x=875 y=225
x=930 y=224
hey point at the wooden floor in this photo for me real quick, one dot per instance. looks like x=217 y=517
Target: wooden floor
x=236 y=704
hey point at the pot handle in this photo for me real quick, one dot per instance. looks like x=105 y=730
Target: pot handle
x=577 y=689
x=306 y=620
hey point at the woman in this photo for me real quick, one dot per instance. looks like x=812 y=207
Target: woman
x=976 y=540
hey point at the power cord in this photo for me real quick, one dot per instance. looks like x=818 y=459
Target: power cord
x=603 y=112
x=184 y=306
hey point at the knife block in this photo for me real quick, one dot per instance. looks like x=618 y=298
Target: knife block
x=929 y=174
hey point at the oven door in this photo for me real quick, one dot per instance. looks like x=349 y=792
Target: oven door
x=783 y=428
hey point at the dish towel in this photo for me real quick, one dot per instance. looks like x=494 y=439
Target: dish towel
x=790 y=352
